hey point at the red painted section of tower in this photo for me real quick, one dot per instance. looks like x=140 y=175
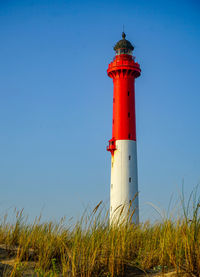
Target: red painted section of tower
x=123 y=70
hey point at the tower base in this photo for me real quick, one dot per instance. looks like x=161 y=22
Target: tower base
x=124 y=183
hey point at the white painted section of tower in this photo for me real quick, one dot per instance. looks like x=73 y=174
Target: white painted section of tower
x=124 y=182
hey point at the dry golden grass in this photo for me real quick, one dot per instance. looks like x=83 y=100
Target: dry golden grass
x=94 y=248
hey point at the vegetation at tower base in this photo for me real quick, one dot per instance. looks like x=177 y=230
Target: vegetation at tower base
x=93 y=248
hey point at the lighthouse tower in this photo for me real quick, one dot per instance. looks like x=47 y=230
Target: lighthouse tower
x=124 y=181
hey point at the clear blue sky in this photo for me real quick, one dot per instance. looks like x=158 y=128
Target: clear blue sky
x=56 y=101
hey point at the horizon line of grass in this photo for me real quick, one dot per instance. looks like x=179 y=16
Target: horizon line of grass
x=93 y=247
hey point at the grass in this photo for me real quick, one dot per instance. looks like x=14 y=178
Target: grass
x=94 y=248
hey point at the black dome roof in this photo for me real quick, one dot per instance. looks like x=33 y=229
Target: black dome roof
x=123 y=44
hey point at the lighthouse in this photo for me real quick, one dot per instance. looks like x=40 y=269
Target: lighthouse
x=124 y=179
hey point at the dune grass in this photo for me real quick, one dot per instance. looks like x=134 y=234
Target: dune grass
x=93 y=247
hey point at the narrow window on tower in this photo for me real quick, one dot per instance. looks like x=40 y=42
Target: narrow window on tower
x=128 y=114
x=113 y=100
x=129 y=179
x=113 y=121
x=128 y=93
x=129 y=157
x=129 y=135
x=111 y=186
